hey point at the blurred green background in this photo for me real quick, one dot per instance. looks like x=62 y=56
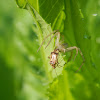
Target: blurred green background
x=22 y=73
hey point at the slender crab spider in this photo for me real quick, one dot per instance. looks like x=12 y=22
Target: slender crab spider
x=60 y=48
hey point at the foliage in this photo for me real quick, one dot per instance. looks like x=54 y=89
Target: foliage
x=30 y=73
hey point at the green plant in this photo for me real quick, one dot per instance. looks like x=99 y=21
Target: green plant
x=78 y=28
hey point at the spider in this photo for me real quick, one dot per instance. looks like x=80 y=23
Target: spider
x=60 y=48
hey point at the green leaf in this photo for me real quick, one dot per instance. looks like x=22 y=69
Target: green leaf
x=77 y=29
x=48 y=9
x=21 y=3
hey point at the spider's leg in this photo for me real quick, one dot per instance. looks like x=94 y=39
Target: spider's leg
x=72 y=48
x=76 y=52
x=49 y=57
x=57 y=41
x=77 y=49
x=83 y=59
x=50 y=40
x=45 y=39
x=58 y=63
x=61 y=59
x=81 y=54
x=60 y=66
x=70 y=57
x=58 y=45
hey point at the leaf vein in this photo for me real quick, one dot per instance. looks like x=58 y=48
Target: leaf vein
x=51 y=9
x=42 y=3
